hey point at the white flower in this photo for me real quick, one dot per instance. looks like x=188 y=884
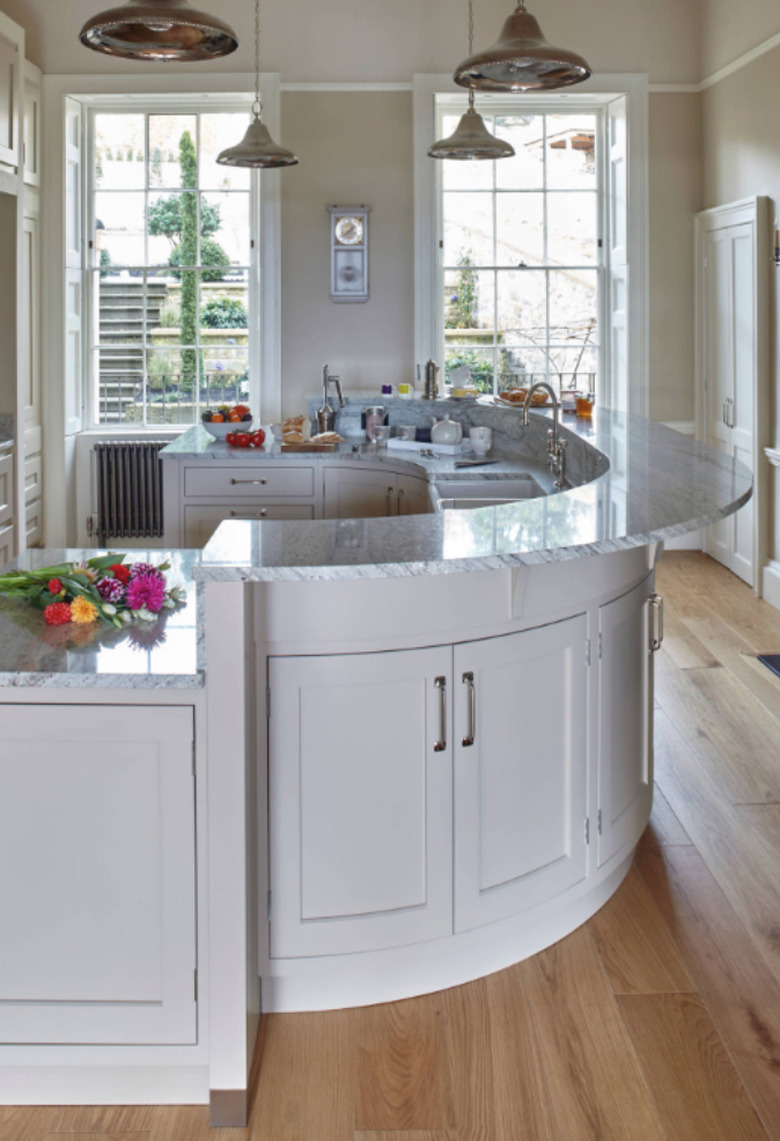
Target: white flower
x=108 y=609
x=126 y=616
x=178 y=593
x=144 y=615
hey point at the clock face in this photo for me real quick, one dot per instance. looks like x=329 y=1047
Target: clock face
x=349 y=231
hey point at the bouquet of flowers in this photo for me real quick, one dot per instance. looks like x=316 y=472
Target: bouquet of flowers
x=103 y=588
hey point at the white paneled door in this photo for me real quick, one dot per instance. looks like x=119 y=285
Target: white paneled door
x=732 y=386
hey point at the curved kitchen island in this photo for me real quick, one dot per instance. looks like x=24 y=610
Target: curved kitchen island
x=458 y=707
x=371 y=757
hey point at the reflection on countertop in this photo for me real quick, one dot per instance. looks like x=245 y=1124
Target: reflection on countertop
x=164 y=654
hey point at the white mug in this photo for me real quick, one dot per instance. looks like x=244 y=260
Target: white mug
x=481 y=440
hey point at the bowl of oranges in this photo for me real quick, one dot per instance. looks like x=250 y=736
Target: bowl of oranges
x=226 y=419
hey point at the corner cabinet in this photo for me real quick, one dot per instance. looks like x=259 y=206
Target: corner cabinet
x=357 y=492
x=97 y=839
x=365 y=752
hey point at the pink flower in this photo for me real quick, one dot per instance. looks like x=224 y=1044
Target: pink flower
x=111 y=590
x=146 y=591
x=138 y=569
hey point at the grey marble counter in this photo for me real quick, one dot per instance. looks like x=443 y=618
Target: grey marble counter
x=168 y=654
x=6 y=432
x=658 y=484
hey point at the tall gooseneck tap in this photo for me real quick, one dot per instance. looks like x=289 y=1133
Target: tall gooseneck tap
x=326 y=417
x=556 y=448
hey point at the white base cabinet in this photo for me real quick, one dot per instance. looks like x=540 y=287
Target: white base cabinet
x=521 y=760
x=357 y=492
x=360 y=802
x=97 y=895
x=362 y=748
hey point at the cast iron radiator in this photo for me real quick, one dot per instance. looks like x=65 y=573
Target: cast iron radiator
x=129 y=490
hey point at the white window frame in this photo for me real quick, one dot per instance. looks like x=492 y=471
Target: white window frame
x=175 y=105
x=66 y=406
x=629 y=392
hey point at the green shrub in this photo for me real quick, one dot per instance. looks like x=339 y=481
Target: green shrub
x=224 y=313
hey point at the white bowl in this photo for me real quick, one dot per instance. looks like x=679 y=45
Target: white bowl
x=220 y=431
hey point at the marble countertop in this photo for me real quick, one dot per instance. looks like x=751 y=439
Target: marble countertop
x=168 y=654
x=659 y=484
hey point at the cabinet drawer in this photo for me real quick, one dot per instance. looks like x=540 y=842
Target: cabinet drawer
x=6 y=545
x=34 y=522
x=32 y=478
x=256 y=482
x=200 y=522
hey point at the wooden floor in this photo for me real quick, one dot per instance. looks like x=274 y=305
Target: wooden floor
x=660 y=1018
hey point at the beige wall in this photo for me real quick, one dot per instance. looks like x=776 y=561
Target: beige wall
x=391 y=39
x=675 y=196
x=353 y=149
x=741 y=158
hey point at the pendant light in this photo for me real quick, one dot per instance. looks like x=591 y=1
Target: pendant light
x=521 y=60
x=166 y=30
x=471 y=138
x=257 y=149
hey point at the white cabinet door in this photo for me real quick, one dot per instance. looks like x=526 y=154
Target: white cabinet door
x=31 y=141
x=9 y=100
x=360 y=801
x=97 y=894
x=625 y=721
x=201 y=521
x=413 y=495
x=352 y=493
x=520 y=788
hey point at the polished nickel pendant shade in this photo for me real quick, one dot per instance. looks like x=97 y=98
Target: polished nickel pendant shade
x=166 y=30
x=522 y=60
x=471 y=140
x=257 y=149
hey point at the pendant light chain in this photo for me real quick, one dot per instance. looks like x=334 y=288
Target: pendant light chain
x=257 y=106
x=471 y=47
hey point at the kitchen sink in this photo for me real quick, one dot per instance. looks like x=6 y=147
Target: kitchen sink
x=459 y=493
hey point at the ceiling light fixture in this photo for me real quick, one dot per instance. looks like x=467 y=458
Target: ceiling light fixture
x=166 y=30
x=521 y=60
x=257 y=149
x=471 y=139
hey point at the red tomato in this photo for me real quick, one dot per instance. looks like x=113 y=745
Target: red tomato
x=242 y=439
x=230 y=439
x=258 y=438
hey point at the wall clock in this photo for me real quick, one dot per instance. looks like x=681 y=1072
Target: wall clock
x=349 y=253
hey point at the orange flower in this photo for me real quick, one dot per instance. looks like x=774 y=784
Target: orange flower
x=82 y=611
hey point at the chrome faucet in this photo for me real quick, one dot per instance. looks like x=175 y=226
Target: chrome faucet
x=326 y=417
x=556 y=447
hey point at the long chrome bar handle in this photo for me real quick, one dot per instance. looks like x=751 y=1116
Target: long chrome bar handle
x=468 y=679
x=724 y=415
x=731 y=412
x=440 y=745
x=657 y=610
x=257 y=482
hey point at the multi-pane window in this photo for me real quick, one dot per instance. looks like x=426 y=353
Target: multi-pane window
x=171 y=271
x=521 y=255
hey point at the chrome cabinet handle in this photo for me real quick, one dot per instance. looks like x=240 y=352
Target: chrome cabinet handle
x=440 y=745
x=730 y=403
x=390 y=491
x=724 y=413
x=468 y=679
x=254 y=482
x=249 y=514
x=400 y=501
x=657 y=610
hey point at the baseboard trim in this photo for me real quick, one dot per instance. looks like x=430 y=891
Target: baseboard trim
x=104 y=1085
x=770 y=583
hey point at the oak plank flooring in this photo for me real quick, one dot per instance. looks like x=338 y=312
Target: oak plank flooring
x=664 y=828
x=104 y=1119
x=634 y=943
x=739 y=990
x=695 y=1088
x=403 y=1080
x=669 y=996
x=596 y=1084
x=498 y=1079
x=306 y=1086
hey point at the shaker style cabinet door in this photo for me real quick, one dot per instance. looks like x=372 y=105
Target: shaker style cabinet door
x=360 y=801
x=520 y=741
x=354 y=494
x=625 y=721
x=97 y=894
